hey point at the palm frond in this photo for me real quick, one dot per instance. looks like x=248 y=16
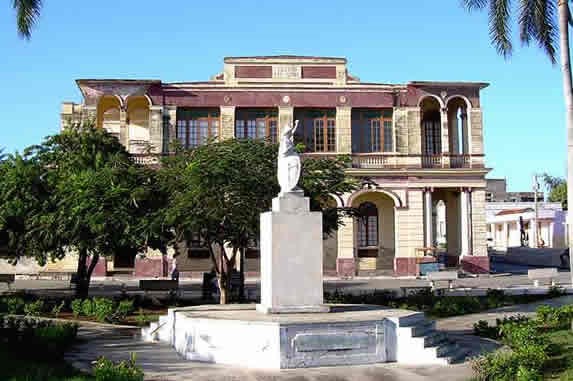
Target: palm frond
x=546 y=30
x=526 y=21
x=27 y=14
x=472 y=5
x=499 y=27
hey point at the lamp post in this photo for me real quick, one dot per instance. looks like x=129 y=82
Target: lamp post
x=535 y=229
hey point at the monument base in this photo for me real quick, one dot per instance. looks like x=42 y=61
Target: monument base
x=348 y=335
x=292 y=309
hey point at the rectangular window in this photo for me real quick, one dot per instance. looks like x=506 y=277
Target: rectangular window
x=196 y=126
x=256 y=124
x=372 y=130
x=316 y=130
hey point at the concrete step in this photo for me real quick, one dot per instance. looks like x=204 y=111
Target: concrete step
x=423 y=329
x=446 y=349
x=458 y=356
x=435 y=338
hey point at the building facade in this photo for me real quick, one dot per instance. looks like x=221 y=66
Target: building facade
x=417 y=144
x=496 y=191
x=511 y=224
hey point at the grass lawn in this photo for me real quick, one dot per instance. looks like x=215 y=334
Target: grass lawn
x=560 y=365
x=16 y=368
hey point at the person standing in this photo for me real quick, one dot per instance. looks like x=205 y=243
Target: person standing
x=174 y=269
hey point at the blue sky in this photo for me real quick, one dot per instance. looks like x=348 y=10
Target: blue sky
x=182 y=40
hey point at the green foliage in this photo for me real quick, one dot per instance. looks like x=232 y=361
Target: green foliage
x=14 y=305
x=537 y=22
x=103 y=309
x=107 y=370
x=556 y=317
x=57 y=309
x=34 y=308
x=88 y=307
x=557 y=188
x=77 y=307
x=79 y=190
x=219 y=190
x=124 y=308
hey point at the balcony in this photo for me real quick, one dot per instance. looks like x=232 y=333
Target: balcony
x=392 y=160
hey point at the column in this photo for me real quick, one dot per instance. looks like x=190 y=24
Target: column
x=345 y=262
x=428 y=225
x=465 y=222
x=551 y=237
x=156 y=129
x=286 y=115
x=227 y=122
x=505 y=235
x=445 y=138
x=123 y=127
x=343 y=129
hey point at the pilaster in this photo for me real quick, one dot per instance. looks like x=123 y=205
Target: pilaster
x=286 y=116
x=156 y=129
x=170 y=127
x=401 y=129
x=343 y=129
x=227 y=122
x=123 y=128
x=345 y=262
x=475 y=140
x=478 y=221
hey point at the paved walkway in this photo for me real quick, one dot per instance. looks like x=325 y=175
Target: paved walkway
x=192 y=288
x=161 y=362
x=464 y=324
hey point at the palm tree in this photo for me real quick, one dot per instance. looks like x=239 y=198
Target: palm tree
x=27 y=13
x=541 y=21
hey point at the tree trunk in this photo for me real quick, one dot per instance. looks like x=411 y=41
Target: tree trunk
x=82 y=286
x=563 y=9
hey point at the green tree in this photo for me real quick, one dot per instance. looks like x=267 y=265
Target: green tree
x=557 y=188
x=220 y=189
x=543 y=22
x=27 y=14
x=78 y=192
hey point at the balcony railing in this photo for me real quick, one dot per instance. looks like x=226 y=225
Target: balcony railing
x=371 y=160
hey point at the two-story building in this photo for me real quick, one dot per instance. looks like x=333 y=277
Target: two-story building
x=420 y=144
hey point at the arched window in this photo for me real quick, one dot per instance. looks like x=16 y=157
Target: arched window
x=431 y=127
x=368 y=225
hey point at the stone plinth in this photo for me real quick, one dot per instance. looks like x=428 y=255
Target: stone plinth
x=291 y=257
x=347 y=335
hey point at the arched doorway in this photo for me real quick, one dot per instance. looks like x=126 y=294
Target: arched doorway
x=431 y=127
x=374 y=232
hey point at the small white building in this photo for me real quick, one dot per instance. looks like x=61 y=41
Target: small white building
x=510 y=224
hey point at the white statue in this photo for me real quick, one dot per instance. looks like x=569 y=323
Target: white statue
x=288 y=161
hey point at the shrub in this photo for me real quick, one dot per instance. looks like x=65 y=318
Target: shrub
x=545 y=314
x=107 y=370
x=77 y=307
x=501 y=365
x=142 y=319
x=124 y=308
x=14 y=305
x=87 y=307
x=103 y=309
x=483 y=329
x=55 y=339
x=495 y=298
x=34 y=308
x=58 y=308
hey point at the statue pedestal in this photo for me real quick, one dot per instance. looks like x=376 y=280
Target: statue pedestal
x=291 y=257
